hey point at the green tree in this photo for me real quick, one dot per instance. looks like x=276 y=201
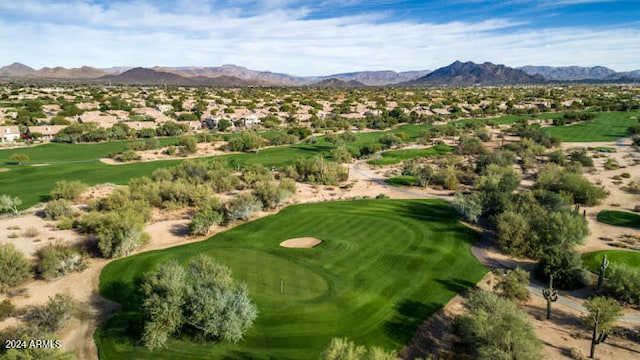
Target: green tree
x=120 y=232
x=15 y=268
x=209 y=214
x=601 y=313
x=496 y=329
x=566 y=266
x=204 y=297
x=165 y=293
x=19 y=158
x=623 y=283
x=341 y=155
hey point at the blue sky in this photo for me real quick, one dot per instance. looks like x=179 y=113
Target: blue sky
x=320 y=37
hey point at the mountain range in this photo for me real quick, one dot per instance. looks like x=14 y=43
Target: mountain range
x=457 y=73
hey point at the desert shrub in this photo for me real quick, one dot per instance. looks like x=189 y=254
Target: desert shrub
x=623 y=283
x=6 y=309
x=611 y=164
x=581 y=156
x=53 y=315
x=513 y=284
x=344 y=349
x=129 y=155
x=57 y=260
x=243 y=206
x=31 y=232
x=69 y=190
x=15 y=268
x=58 y=208
x=189 y=145
x=272 y=195
x=469 y=146
x=469 y=206
x=247 y=141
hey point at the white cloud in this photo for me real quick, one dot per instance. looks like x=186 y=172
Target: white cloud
x=142 y=34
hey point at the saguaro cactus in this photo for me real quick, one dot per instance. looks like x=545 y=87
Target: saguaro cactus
x=603 y=267
x=551 y=295
x=596 y=338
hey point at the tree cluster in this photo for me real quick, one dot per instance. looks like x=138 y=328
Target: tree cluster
x=203 y=298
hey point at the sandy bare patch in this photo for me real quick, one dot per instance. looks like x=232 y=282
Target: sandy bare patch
x=203 y=150
x=39 y=164
x=303 y=242
x=4 y=169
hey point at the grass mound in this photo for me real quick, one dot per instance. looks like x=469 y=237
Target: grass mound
x=396 y=156
x=592 y=260
x=401 y=180
x=619 y=218
x=383 y=267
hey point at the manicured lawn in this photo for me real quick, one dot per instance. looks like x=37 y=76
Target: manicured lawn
x=79 y=162
x=592 y=260
x=401 y=180
x=607 y=126
x=619 y=218
x=384 y=266
x=396 y=156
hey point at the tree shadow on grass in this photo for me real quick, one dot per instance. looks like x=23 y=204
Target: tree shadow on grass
x=127 y=294
x=456 y=285
x=410 y=314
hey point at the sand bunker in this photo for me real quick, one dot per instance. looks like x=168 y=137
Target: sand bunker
x=4 y=169
x=304 y=242
x=39 y=164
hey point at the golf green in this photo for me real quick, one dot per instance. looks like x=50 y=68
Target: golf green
x=592 y=260
x=383 y=267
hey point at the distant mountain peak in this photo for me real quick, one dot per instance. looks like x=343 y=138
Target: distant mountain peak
x=470 y=73
x=570 y=73
x=16 y=69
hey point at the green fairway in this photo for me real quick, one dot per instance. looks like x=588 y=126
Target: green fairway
x=607 y=126
x=79 y=162
x=384 y=267
x=619 y=218
x=396 y=156
x=592 y=260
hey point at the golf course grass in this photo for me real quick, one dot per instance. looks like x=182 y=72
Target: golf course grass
x=32 y=184
x=401 y=180
x=383 y=267
x=608 y=126
x=396 y=156
x=592 y=260
x=619 y=218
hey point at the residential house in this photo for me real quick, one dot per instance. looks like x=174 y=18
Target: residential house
x=9 y=134
x=48 y=131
